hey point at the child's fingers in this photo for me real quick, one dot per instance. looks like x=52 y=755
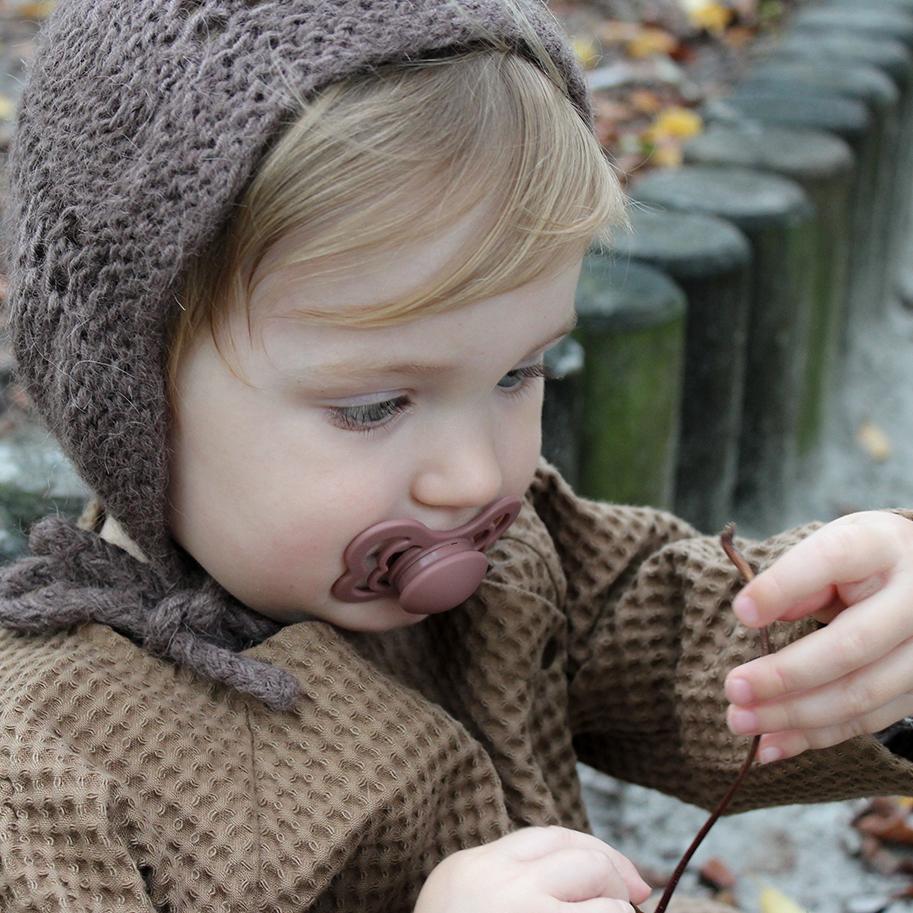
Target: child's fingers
x=578 y=874
x=858 y=636
x=793 y=742
x=849 y=698
x=532 y=844
x=849 y=549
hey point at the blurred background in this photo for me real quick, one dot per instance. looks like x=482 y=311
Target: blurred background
x=745 y=351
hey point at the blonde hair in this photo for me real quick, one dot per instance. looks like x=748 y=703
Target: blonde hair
x=482 y=124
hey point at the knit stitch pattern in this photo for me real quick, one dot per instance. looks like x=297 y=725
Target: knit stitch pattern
x=601 y=632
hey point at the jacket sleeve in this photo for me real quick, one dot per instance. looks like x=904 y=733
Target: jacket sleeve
x=651 y=637
x=62 y=849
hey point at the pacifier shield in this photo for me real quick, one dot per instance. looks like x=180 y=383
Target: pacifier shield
x=429 y=571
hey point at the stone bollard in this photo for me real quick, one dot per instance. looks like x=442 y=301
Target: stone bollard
x=892 y=58
x=874 y=19
x=709 y=259
x=905 y=5
x=776 y=216
x=877 y=22
x=850 y=121
x=888 y=55
x=822 y=165
x=632 y=328
x=562 y=408
x=880 y=96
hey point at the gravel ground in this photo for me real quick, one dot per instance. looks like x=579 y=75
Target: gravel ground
x=805 y=852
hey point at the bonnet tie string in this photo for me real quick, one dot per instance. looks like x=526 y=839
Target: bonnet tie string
x=74 y=576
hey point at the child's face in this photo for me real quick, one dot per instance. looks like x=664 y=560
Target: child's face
x=268 y=486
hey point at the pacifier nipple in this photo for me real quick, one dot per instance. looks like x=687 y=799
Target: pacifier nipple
x=429 y=571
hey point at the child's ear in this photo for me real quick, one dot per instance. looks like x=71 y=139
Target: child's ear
x=93 y=515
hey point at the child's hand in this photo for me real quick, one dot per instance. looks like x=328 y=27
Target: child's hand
x=852 y=677
x=534 y=870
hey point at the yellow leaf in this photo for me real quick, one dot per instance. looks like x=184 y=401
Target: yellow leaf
x=668 y=155
x=7 y=108
x=873 y=441
x=587 y=52
x=37 y=10
x=650 y=42
x=774 y=901
x=645 y=101
x=709 y=15
x=680 y=123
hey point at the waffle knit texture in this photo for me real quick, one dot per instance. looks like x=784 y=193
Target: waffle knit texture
x=601 y=633
x=139 y=127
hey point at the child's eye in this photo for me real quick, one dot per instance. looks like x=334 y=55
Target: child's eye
x=372 y=416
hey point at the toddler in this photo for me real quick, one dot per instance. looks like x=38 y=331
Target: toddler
x=332 y=635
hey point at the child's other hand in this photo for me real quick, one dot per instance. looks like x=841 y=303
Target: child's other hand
x=534 y=870
x=852 y=677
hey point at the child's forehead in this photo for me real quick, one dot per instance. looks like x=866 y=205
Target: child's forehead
x=361 y=279
x=436 y=346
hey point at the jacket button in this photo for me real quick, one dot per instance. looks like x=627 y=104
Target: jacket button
x=549 y=652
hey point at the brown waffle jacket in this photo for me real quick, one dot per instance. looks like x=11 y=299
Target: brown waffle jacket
x=602 y=633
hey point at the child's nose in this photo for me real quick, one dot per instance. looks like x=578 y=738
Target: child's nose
x=456 y=473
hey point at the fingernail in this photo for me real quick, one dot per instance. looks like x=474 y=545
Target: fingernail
x=746 y=608
x=738 y=691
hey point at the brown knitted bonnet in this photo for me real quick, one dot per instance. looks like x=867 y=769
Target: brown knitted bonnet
x=140 y=124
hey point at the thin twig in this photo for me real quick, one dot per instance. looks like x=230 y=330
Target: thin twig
x=747 y=575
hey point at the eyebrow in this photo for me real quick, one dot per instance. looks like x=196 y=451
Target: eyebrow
x=346 y=369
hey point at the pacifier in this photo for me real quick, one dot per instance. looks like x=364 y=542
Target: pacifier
x=427 y=570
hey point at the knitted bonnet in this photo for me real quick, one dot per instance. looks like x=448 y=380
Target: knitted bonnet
x=140 y=125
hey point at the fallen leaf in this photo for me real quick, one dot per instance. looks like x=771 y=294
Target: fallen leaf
x=770 y=11
x=881 y=860
x=615 y=31
x=886 y=806
x=667 y=155
x=586 y=51
x=649 y=42
x=645 y=101
x=676 y=122
x=873 y=441
x=38 y=10
x=715 y=873
x=894 y=829
x=747 y=9
x=774 y=901
x=738 y=37
x=611 y=109
x=726 y=897
x=708 y=15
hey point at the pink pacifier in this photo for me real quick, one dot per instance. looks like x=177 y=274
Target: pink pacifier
x=427 y=570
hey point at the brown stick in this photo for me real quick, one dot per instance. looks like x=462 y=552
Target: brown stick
x=747 y=575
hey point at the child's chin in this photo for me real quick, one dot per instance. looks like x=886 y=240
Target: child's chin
x=376 y=615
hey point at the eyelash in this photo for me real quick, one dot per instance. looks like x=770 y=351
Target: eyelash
x=353 y=418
